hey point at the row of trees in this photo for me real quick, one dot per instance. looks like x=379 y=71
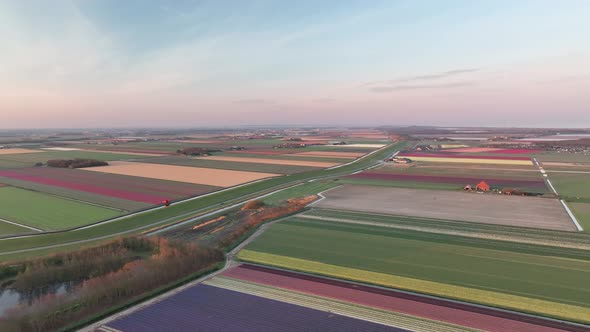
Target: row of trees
x=260 y=213
x=75 y=163
x=169 y=262
x=81 y=264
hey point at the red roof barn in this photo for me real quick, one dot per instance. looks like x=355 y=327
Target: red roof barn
x=482 y=186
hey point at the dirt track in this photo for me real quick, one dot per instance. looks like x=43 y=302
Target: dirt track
x=531 y=212
x=18 y=151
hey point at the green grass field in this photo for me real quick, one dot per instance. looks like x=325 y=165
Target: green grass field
x=103 y=200
x=48 y=212
x=562 y=157
x=447 y=260
x=308 y=188
x=7 y=228
x=582 y=213
x=573 y=187
x=399 y=184
x=495 y=235
x=14 y=248
x=288 y=157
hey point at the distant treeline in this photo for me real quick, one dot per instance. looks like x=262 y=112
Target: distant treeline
x=75 y=163
x=196 y=151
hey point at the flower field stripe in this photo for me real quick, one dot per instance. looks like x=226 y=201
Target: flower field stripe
x=123 y=182
x=495 y=299
x=525 y=162
x=448 y=179
x=395 y=301
x=208 y=308
x=133 y=196
x=338 y=307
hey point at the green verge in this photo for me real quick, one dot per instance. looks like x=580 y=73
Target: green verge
x=306 y=189
x=572 y=187
x=582 y=213
x=48 y=212
x=431 y=257
x=141 y=222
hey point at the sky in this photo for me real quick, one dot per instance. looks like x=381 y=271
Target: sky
x=133 y=63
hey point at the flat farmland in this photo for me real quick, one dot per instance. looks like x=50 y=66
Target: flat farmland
x=562 y=157
x=13 y=249
x=283 y=155
x=457 y=182
x=84 y=196
x=195 y=175
x=582 y=213
x=388 y=300
x=119 y=191
x=209 y=308
x=43 y=156
x=490 y=208
x=238 y=166
x=448 y=266
x=319 y=164
x=17 y=151
x=573 y=186
x=330 y=154
x=337 y=307
x=511 y=172
x=465 y=159
x=48 y=212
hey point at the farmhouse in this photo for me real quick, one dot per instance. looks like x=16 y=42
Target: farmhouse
x=423 y=148
x=400 y=160
x=290 y=146
x=482 y=186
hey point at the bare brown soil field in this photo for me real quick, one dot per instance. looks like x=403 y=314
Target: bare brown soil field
x=330 y=154
x=531 y=212
x=197 y=175
x=18 y=151
x=272 y=161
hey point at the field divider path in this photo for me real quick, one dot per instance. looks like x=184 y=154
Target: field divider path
x=563 y=203
x=21 y=225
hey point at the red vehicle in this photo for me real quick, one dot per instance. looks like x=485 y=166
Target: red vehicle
x=166 y=202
